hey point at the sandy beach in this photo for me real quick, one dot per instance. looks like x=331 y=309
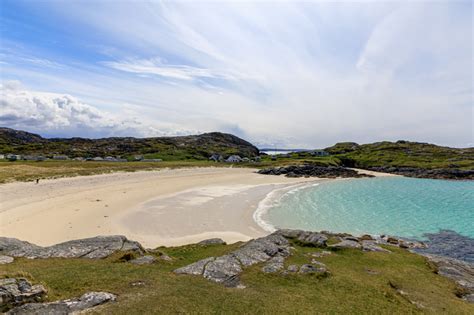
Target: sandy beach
x=166 y=207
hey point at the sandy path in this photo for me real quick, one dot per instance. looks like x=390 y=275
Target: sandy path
x=167 y=207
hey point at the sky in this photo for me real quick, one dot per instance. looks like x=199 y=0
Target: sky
x=282 y=74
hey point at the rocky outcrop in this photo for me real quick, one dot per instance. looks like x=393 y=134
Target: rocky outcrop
x=94 y=247
x=311 y=170
x=143 y=260
x=226 y=269
x=6 y=260
x=440 y=173
x=71 y=306
x=459 y=271
x=212 y=241
x=14 y=292
x=275 y=248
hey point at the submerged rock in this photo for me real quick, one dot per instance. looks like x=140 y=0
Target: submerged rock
x=450 y=244
x=94 y=247
x=86 y=301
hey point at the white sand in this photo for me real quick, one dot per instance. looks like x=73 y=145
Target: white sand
x=167 y=207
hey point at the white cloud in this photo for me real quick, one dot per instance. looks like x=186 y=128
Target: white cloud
x=65 y=115
x=294 y=74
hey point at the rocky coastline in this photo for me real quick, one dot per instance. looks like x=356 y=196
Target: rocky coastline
x=441 y=173
x=312 y=170
x=20 y=296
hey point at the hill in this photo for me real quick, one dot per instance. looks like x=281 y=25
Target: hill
x=407 y=158
x=196 y=147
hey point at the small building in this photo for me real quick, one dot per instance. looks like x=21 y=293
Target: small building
x=216 y=158
x=13 y=157
x=97 y=158
x=2 y=156
x=234 y=159
x=245 y=160
x=138 y=157
x=60 y=157
x=319 y=153
x=78 y=158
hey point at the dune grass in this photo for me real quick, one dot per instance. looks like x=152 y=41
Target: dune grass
x=359 y=283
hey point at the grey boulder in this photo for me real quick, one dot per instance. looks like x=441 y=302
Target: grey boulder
x=308 y=268
x=6 y=260
x=346 y=244
x=371 y=246
x=94 y=247
x=86 y=301
x=226 y=269
x=275 y=264
x=212 y=241
x=143 y=260
x=14 y=292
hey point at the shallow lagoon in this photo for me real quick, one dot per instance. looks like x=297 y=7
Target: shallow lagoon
x=405 y=207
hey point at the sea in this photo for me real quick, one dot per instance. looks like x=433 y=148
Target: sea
x=438 y=211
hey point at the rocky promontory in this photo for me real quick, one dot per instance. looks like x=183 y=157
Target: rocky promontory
x=313 y=170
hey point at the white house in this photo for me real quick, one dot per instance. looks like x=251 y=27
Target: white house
x=216 y=158
x=234 y=159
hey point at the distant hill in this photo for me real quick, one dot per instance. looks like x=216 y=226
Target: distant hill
x=175 y=148
x=402 y=154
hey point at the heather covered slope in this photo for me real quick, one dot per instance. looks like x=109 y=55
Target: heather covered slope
x=169 y=148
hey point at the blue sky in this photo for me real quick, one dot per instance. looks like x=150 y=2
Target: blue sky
x=285 y=74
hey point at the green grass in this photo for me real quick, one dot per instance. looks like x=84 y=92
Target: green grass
x=31 y=170
x=349 y=289
x=28 y=171
x=403 y=154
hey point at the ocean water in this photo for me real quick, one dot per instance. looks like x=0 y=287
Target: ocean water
x=405 y=207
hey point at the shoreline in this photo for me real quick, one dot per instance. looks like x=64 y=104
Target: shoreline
x=157 y=208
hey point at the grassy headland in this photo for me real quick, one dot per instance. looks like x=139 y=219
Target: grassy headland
x=359 y=283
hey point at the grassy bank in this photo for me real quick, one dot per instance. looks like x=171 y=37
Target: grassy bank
x=359 y=283
x=30 y=170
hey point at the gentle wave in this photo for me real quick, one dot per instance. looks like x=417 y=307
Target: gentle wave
x=273 y=199
x=404 y=207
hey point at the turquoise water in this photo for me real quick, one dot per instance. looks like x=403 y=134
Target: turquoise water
x=405 y=207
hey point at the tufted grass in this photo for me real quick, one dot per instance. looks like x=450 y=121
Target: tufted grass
x=359 y=283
